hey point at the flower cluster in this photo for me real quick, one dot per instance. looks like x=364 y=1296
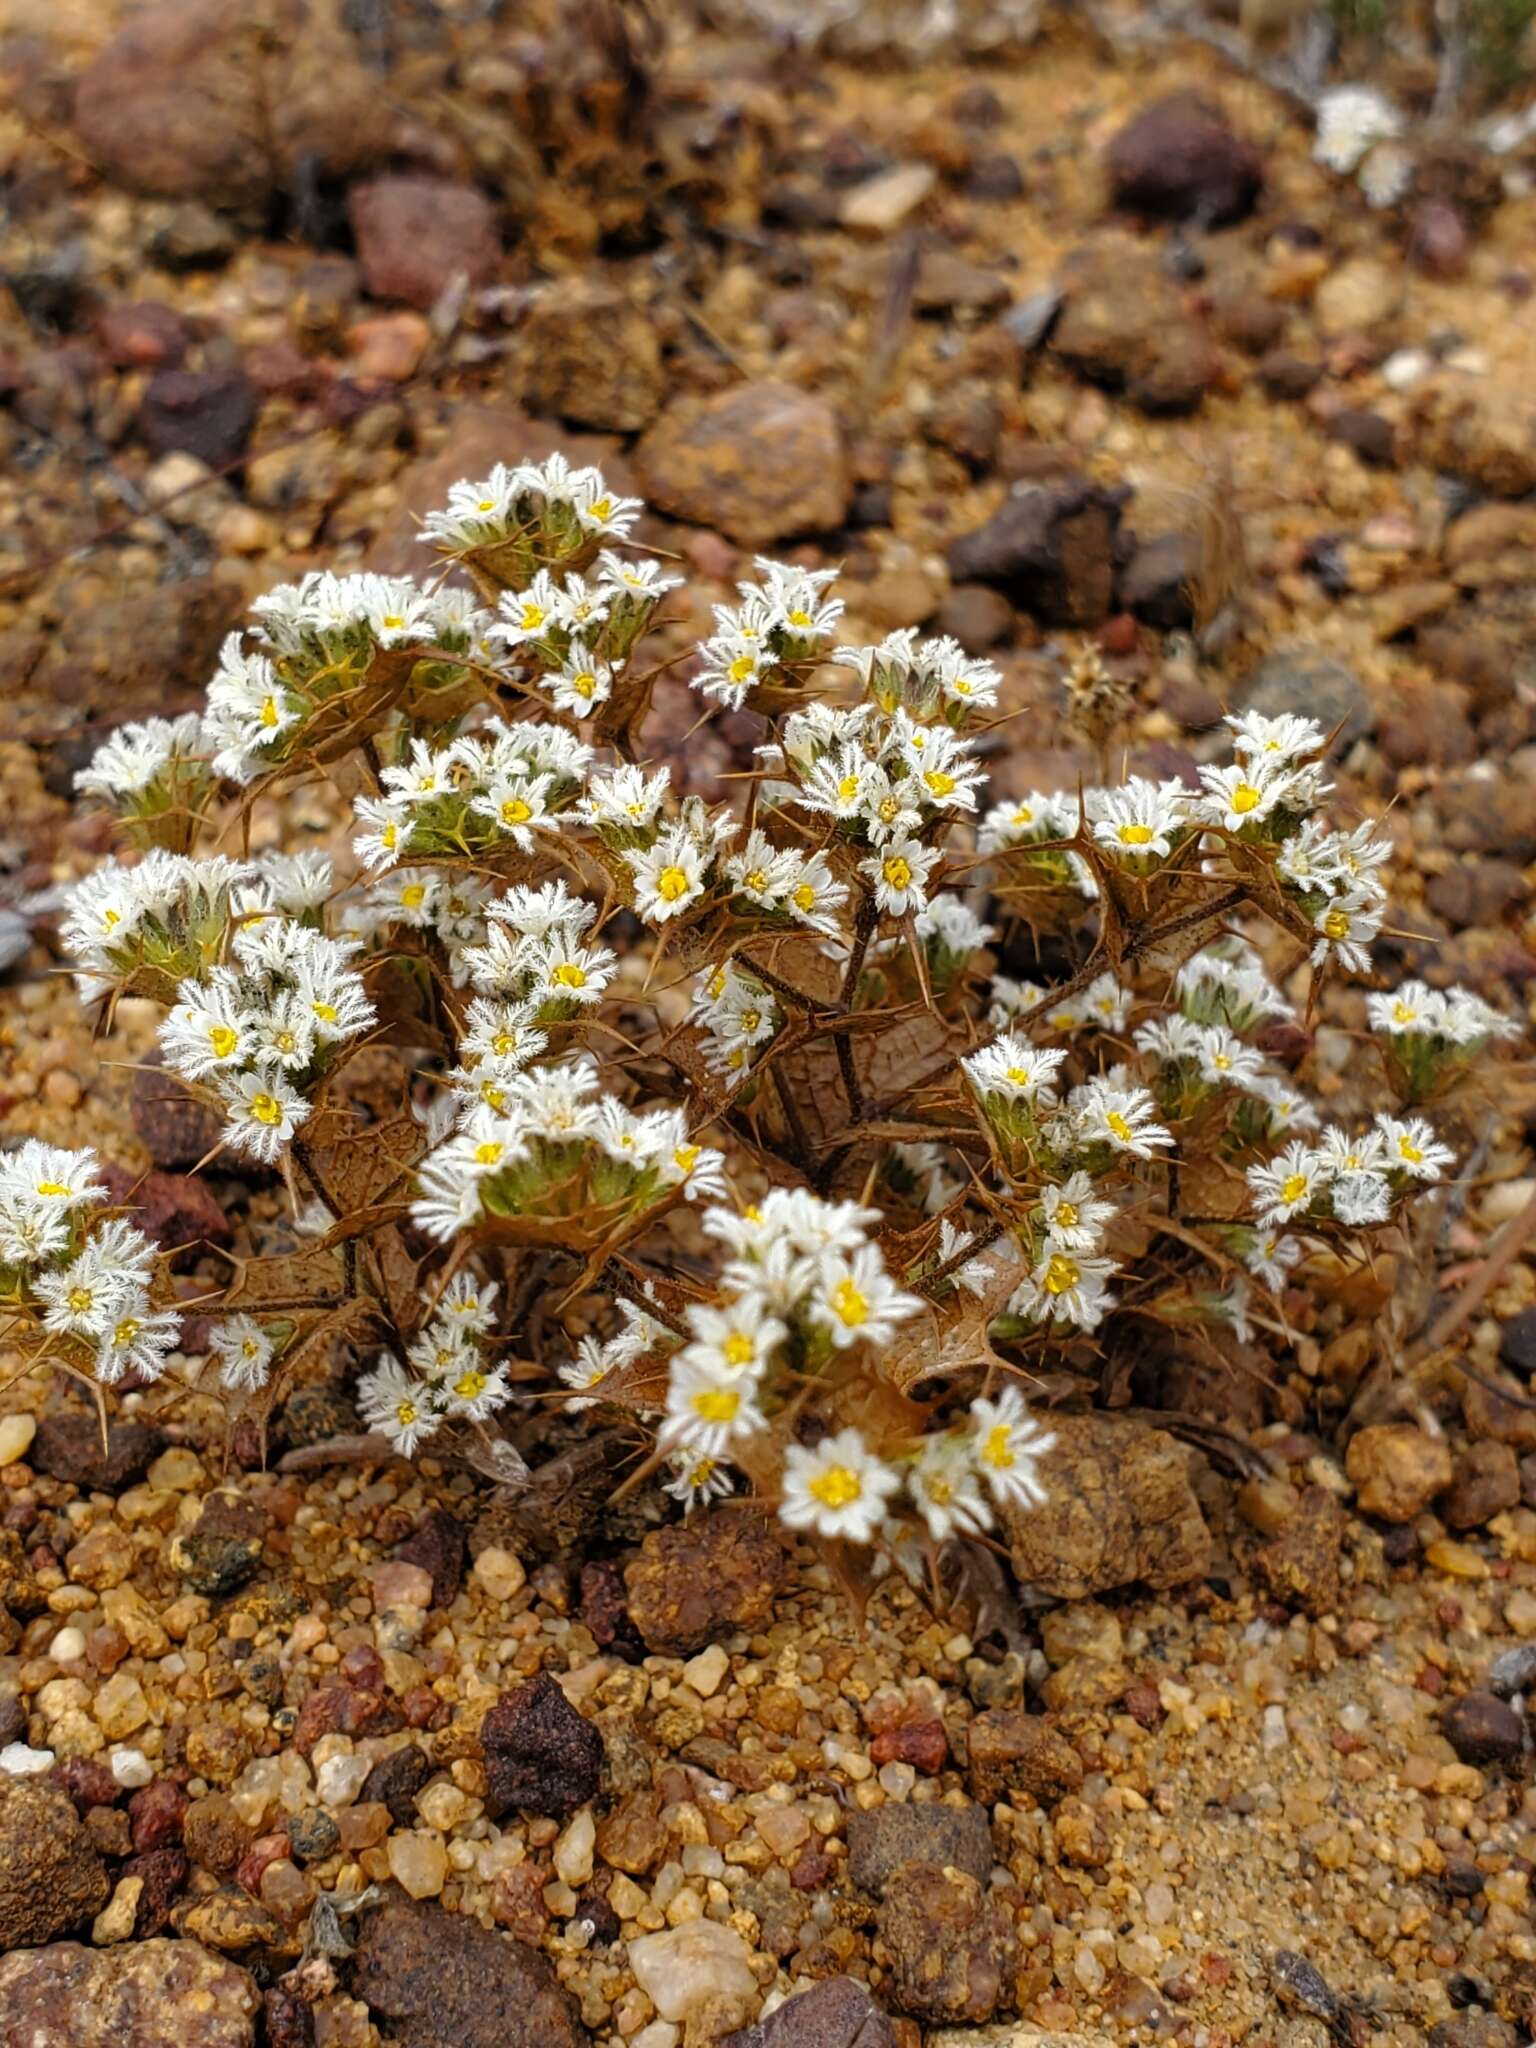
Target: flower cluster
x=483 y=791
x=155 y=775
x=781 y=620
x=519 y=520
x=447 y=1375
x=85 y=1279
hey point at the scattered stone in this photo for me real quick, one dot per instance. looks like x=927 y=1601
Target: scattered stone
x=946 y=281
x=838 y=2013
x=1120 y=1509
x=229 y=1920
x=978 y=617
x=16 y=1434
x=434 y=1977
x=698 y=1580
x=683 y=1968
x=415 y=236
x=540 y=1754
x=152 y=1994
x=1313 y=684
x=952 y=1948
x=1483 y=1729
x=1286 y=375
x=1021 y=1758
x=1029 y=320
x=223 y=1548
x=1397 y=1470
x=1513 y=1671
x=592 y=356
x=883 y=202
x=759 y=462
x=1157 y=582
x=1181 y=159
x=51 y=1878
x=224 y=100
x=157 y=1813
x=501 y=1572
x=1050 y=549
x=1499 y=1411
x=1473 y=2029
x=143 y=335
x=214 y=1835
x=1301 y=1566
x=995 y=176
x=177 y=1129
x=1363 y=298
x=312 y=1835
x=206 y=413
x=177 y=1210
x=1479 y=429
x=388 y=349
x=1438 y=242
x=1124 y=324
x=1486 y=1480
x=1373 y=438
x=883 y=1838
x=1517 y=1344
x=437 y=1545
x=418 y=1861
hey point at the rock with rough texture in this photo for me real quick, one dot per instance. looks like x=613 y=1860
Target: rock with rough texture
x=430 y=1977
x=1050 y=549
x=416 y=235
x=50 y=1877
x=1312 y=684
x=759 y=462
x=1485 y=1482
x=1301 y=1566
x=1022 y=1758
x=838 y=2013
x=177 y=1129
x=1397 y=1470
x=394 y=1782
x=144 y=1994
x=1124 y=324
x=592 y=356
x=206 y=413
x=540 y=1754
x=682 y=1969
x=884 y=1838
x=951 y=1947
x=437 y=1545
x=1483 y=1729
x=176 y=1210
x=703 y=1579
x=1181 y=159
x=68 y=1447
x=1119 y=1509
x=225 y=100
x=1479 y=429
x=222 y=1549
x=1363 y=298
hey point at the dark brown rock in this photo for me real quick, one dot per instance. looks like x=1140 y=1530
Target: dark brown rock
x=1313 y=684
x=161 y=1873
x=143 y=335
x=1301 y=1566
x=1485 y=1482
x=1438 y=242
x=978 y=617
x=416 y=235
x=223 y=100
x=1517 y=1343
x=540 y=1754
x=176 y=1128
x=967 y=420
x=759 y=462
x=951 y=1947
x=1479 y=892
x=206 y=413
x=214 y=1835
x=1483 y=1730
x=1124 y=324
x=1022 y=1758
x=289 y=2017
x=883 y=1839
x=431 y=1977
x=69 y=1448
x=142 y=1994
x=591 y=355
x=223 y=1548
x=1180 y=159
x=1285 y=375
x=701 y=1579
x=1157 y=581
x=394 y=1782
x=437 y=1545
x=1050 y=549
x=838 y=2013
x=50 y=1877
x=1500 y=1411
x=156 y=1813
x=87 y=1783
x=1120 y=1509
x=1372 y=438
x=177 y=1210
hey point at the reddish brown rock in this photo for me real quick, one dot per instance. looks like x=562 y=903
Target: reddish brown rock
x=759 y=462
x=591 y=355
x=951 y=1947
x=141 y=1994
x=540 y=1754
x=1181 y=159
x=433 y=1977
x=1022 y=1758
x=1485 y=1482
x=1124 y=324
x=1050 y=550
x=885 y=1839
x=1301 y=1566
x=416 y=235
x=50 y=1877
x=838 y=2013
x=702 y=1579
x=143 y=335
x=177 y=1210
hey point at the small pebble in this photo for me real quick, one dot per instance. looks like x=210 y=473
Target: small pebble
x=16 y=1434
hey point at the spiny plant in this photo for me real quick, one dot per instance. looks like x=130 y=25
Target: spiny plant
x=793 y=1183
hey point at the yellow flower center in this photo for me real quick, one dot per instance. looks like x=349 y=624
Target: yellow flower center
x=1336 y=925
x=1293 y=1187
x=1061 y=1274
x=405 y=1413
x=569 y=975
x=285 y=1041
x=849 y=1305
x=488 y=1153
x=671 y=884
x=738 y=1349
x=585 y=683
x=940 y=783
x=250 y=1348
x=1119 y=1126
x=750 y=1019
x=897 y=872
x=686 y=1157
x=269 y=712
x=939 y=1490
x=504 y=1044
x=413 y=895
x=1135 y=835
x=1066 y=1215
x=1404 y=1013
x=533 y=616
x=838 y=1487
x=997 y=1447
x=125 y=1333
x=1020 y=1076
x=1246 y=798
x=755 y=880
x=80 y=1299
x=798 y=618
x=1406 y=1149
x=890 y=810
x=716 y=1404
x=53 y=1187
x=515 y=812
x=389 y=837
x=1064 y=1020
x=603 y=509
x=1221 y=1061
x=486 y=505
x=326 y=1012
x=804 y=898
x=848 y=788
x=111 y=917
x=492 y=1095
x=741 y=669
x=470 y=1385
x=266 y=1109
x=393 y=622
x=1024 y=815
x=961 y=687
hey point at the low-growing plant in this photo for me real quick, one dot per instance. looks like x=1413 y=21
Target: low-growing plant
x=720 y=1117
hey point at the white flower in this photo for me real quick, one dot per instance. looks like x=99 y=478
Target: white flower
x=1067 y=1287
x=596 y=507
x=244 y=1351
x=137 y=1343
x=946 y=1490
x=624 y=796
x=1013 y=1068
x=839 y=1489
x=1346 y=928
x=696 y=1480
x=761 y=872
x=397 y=1405
x=815 y=895
x=1467 y=1020
x=1122 y=1118
x=1242 y=794
x=640 y=579
x=581 y=683
x=527 y=614
x=1274 y=742
x=51 y=1175
x=708 y=1410
x=1411 y=1007
x=1351 y=119
x=1136 y=821
x=1224 y=1061
x=1271 y=1257
x=137 y=755
x=468 y=1303
x=1170 y=1040
x=1073 y=1216
x=1361 y=1198
x=587 y=1369
x=740 y=1338
x=1008 y=1448
x=263 y=1113
x=1413 y=1149
x=856 y=1301
x=900 y=872
x=103 y=1283
x=669 y=876
x=1287 y=1184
